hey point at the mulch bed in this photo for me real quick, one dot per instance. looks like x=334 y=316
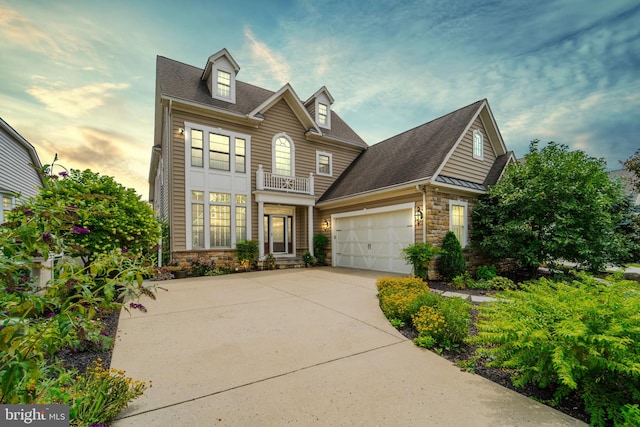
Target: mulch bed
x=571 y=405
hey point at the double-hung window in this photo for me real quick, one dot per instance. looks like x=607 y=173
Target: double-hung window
x=224 y=84
x=241 y=155
x=196 y=148
x=219 y=152
x=458 y=220
x=322 y=114
x=323 y=163
x=241 y=217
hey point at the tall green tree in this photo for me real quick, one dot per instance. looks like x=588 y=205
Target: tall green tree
x=101 y=214
x=557 y=205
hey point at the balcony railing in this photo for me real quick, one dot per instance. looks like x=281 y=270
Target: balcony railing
x=289 y=184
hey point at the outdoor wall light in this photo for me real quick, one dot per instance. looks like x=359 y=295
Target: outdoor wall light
x=181 y=130
x=326 y=224
x=419 y=216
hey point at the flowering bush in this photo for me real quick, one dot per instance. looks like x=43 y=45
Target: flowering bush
x=397 y=294
x=36 y=322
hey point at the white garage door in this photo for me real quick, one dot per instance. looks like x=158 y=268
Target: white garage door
x=374 y=241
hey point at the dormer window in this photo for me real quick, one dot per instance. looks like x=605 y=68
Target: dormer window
x=478 y=145
x=224 y=84
x=322 y=114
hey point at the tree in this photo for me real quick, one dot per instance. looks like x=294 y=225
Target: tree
x=452 y=262
x=101 y=214
x=633 y=165
x=558 y=205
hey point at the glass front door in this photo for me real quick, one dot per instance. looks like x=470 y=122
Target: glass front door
x=278 y=234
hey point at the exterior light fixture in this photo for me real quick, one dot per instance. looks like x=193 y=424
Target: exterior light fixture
x=419 y=216
x=326 y=224
x=181 y=130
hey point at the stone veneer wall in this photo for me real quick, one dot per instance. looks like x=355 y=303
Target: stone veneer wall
x=222 y=258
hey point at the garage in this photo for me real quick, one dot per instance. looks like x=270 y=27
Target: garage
x=373 y=239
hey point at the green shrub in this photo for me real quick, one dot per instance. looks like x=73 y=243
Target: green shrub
x=502 y=283
x=419 y=255
x=486 y=272
x=308 y=259
x=447 y=322
x=452 y=262
x=320 y=248
x=630 y=416
x=582 y=337
x=247 y=252
x=463 y=281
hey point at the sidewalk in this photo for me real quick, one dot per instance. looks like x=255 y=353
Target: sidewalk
x=297 y=347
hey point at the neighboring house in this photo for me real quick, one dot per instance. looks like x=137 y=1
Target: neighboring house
x=627 y=177
x=232 y=161
x=19 y=168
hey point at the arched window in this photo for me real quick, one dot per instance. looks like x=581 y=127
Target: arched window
x=283 y=155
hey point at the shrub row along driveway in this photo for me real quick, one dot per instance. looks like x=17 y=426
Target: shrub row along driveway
x=297 y=347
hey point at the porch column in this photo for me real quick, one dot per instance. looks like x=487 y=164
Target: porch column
x=310 y=215
x=260 y=229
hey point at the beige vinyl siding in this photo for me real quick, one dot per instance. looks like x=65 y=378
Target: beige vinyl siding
x=178 y=225
x=462 y=164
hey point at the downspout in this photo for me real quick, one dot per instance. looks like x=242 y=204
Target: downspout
x=169 y=156
x=423 y=190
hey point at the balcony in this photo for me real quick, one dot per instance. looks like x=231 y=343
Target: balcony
x=287 y=184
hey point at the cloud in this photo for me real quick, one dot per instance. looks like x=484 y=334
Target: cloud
x=74 y=102
x=274 y=62
x=20 y=30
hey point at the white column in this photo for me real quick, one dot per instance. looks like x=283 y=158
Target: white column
x=260 y=229
x=311 y=230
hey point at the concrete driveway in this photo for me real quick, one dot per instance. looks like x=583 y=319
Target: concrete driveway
x=297 y=347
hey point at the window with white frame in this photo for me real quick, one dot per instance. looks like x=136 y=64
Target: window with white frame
x=224 y=84
x=197 y=219
x=196 y=148
x=219 y=152
x=322 y=114
x=241 y=155
x=458 y=220
x=283 y=155
x=478 y=145
x=241 y=217
x=219 y=220
x=324 y=163
x=7 y=204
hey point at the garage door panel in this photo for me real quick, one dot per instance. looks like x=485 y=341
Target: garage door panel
x=374 y=241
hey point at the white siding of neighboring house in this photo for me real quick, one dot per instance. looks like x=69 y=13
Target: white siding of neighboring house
x=18 y=174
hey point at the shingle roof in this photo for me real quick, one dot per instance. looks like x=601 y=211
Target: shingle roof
x=410 y=156
x=182 y=81
x=498 y=166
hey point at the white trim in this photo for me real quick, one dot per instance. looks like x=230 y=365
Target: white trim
x=284 y=198
x=330 y=156
x=225 y=66
x=209 y=176
x=373 y=211
x=273 y=153
x=465 y=233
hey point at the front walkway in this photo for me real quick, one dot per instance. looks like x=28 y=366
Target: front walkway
x=297 y=347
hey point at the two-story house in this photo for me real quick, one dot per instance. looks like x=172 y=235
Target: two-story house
x=232 y=161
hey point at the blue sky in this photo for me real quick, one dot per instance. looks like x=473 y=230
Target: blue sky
x=78 y=77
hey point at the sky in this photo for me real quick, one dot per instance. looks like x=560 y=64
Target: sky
x=77 y=78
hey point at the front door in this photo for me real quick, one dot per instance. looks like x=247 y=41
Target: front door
x=278 y=234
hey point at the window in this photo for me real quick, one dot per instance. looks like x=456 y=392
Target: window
x=322 y=114
x=196 y=148
x=241 y=217
x=241 y=157
x=224 y=84
x=458 y=220
x=7 y=205
x=218 y=152
x=197 y=219
x=478 y=145
x=323 y=161
x=220 y=219
x=283 y=156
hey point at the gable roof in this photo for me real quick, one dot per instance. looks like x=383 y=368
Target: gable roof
x=411 y=156
x=182 y=82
